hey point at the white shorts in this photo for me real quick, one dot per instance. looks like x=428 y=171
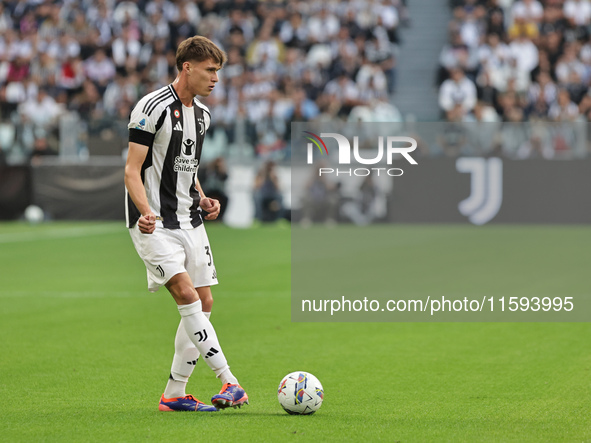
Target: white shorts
x=167 y=252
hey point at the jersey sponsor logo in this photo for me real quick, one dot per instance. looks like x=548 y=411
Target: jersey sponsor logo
x=189 y=145
x=178 y=126
x=184 y=164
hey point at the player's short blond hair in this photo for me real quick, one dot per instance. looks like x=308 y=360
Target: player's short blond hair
x=198 y=49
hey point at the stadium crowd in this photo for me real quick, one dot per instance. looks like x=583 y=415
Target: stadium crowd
x=517 y=60
x=287 y=60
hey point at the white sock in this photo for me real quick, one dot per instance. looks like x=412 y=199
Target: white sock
x=185 y=358
x=201 y=332
x=227 y=377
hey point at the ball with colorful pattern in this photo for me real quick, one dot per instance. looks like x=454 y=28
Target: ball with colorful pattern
x=300 y=393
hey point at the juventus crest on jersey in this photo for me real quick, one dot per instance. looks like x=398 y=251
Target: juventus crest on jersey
x=174 y=135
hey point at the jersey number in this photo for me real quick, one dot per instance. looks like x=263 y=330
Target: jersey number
x=208 y=254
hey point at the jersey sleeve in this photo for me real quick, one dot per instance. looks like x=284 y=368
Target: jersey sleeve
x=142 y=127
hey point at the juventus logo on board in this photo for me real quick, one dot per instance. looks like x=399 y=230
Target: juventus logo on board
x=486 y=188
x=189 y=147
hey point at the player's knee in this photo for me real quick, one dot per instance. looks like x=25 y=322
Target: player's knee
x=207 y=303
x=184 y=294
x=206 y=298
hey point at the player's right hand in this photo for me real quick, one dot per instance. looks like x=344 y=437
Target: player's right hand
x=147 y=223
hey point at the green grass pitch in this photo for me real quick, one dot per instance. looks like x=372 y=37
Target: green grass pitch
x=85 y=349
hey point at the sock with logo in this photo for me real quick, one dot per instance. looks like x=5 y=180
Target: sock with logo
x=200 y=330
x=185 y=358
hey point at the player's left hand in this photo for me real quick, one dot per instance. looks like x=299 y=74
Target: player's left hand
x=211 y=206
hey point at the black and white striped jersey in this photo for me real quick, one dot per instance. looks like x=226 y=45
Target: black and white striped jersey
x=174 y=135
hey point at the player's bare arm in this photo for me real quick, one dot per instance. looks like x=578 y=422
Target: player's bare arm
x=133 y=181
x=209 y=205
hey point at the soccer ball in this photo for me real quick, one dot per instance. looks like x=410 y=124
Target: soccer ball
x=34 y=214
x=300 y=393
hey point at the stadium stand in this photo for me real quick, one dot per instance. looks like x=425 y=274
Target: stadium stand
x=529 y=60
x=77 y=68
x=529 y=63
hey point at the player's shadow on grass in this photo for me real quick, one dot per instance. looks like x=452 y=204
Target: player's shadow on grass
x=238 y=414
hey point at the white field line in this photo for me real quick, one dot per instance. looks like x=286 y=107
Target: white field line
x=59 y=233
x=120 y=294
x=69 y=294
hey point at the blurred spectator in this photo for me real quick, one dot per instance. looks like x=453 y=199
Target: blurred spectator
x=118 y=91
x=294 y=32
x=457 y=95
x=343 y=92
x=569 y=65
x=155 y=26
x=524 y=52
x=71 y=75
x=266 y=49
x=213 y=177
x=126 y=51
x=323 y=25
x=453 y=139
x=63 y=47
x=320 y=201
x=268 y=198
x=100 y=18
x=5 y=20
x=41 y=113
x=304 y=108
x=538 y=145
x=563 y=109
x=456 y=54
x=368 y=195
x=100 y=70
x=525 y=16
x=541 y=95
x=87 y=101
x=577 y=12
x=41 y=149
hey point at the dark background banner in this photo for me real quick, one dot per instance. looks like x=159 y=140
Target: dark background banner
x=83 y=192
x=16 y=191
x=533 y=191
